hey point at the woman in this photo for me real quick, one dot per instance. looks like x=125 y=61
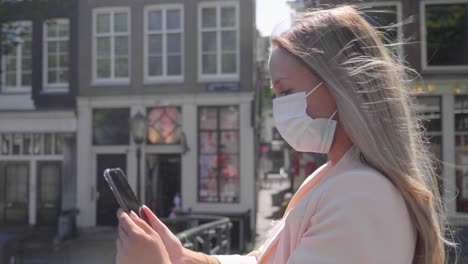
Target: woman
x=338 y=91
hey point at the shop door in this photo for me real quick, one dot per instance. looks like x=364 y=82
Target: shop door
x=14 y=195
x=106 y=204
x=49 y=192
x=163 y=182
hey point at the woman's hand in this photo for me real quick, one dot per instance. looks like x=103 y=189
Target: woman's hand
x=176 y=251
x=138 y=242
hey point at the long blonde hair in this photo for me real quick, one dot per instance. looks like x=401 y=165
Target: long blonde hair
x=375 y=108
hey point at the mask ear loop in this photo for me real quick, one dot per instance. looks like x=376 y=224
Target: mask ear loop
x=331 y=118
x=315 y=88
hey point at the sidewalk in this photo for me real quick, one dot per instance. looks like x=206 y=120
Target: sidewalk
x=270 y=197
x=92 y=246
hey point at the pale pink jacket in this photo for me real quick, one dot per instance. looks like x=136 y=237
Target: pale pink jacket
x=353 y=215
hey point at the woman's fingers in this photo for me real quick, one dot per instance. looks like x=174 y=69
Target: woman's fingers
x=129 y=228
x=141 y=223
x=154 y=221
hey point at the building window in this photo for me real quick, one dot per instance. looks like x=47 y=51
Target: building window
x=17 y=60
x=219 y=41
x=444 y=35
x=218 y=163
x=56 y=54
x=111 y=126
x=461 y=151
x=429 y=110
x=24 y=144
x=164 y=39
x=386 y=18
x=111 y=45
x=164 y=125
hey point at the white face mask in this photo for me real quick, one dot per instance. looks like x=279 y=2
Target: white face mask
x=302 y=132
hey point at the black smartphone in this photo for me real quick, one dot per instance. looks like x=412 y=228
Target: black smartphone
x=123 y=192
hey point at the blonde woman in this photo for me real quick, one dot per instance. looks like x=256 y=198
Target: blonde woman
x=338 y=91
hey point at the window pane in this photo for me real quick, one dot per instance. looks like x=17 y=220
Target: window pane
x=208 y=17
x=63 y=46
x=27 y=49
x=51 y=28
x=6 y=144
x=444 y=22
x=27 y=144
x=154 y=20
x=37 y=144
x=384 y=20
x=155 y=66
x=121 y=46
x=209 y=41
x=461 y=113
x=48 y=144
x=209 y=64
x=164 y=125
x=428 y=109
x=26 y=79
x=120 y=22
x=208 y=142
x=63 y=29
x=103 y=47
x=52 y=77
x=228 y=41
x=208 y=118
x=64 y=61
x=228 y=17
x=462 y=173
x=11 y=79
x=17 y=142
x=103 y=23
x=230 y=141
x=229 y=117
x=59 y=143
x=173 y=43
x=121 y=67
x=103 y=68
x=106 y=129
x=229 y=63
x=63 y=76
x=173 y=19
x=174 y=65
x=52 y=47
x=155 y=44
x=230 y=189
x=51 y=61
x=26 y=64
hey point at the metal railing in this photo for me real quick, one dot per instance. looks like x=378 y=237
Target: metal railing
x=203 y=233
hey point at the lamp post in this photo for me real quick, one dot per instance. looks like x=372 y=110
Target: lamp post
x=138 y=127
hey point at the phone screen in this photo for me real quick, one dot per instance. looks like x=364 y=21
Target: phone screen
x=122 y=190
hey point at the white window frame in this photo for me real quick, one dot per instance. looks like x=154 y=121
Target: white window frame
x=19 y=88
x=218 y=76
x=399 y=24
x=112 y=80
x=54 y=87
x=422 y=23
x=164 y=77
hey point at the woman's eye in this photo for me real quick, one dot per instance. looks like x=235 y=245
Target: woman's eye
x=285 y=92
